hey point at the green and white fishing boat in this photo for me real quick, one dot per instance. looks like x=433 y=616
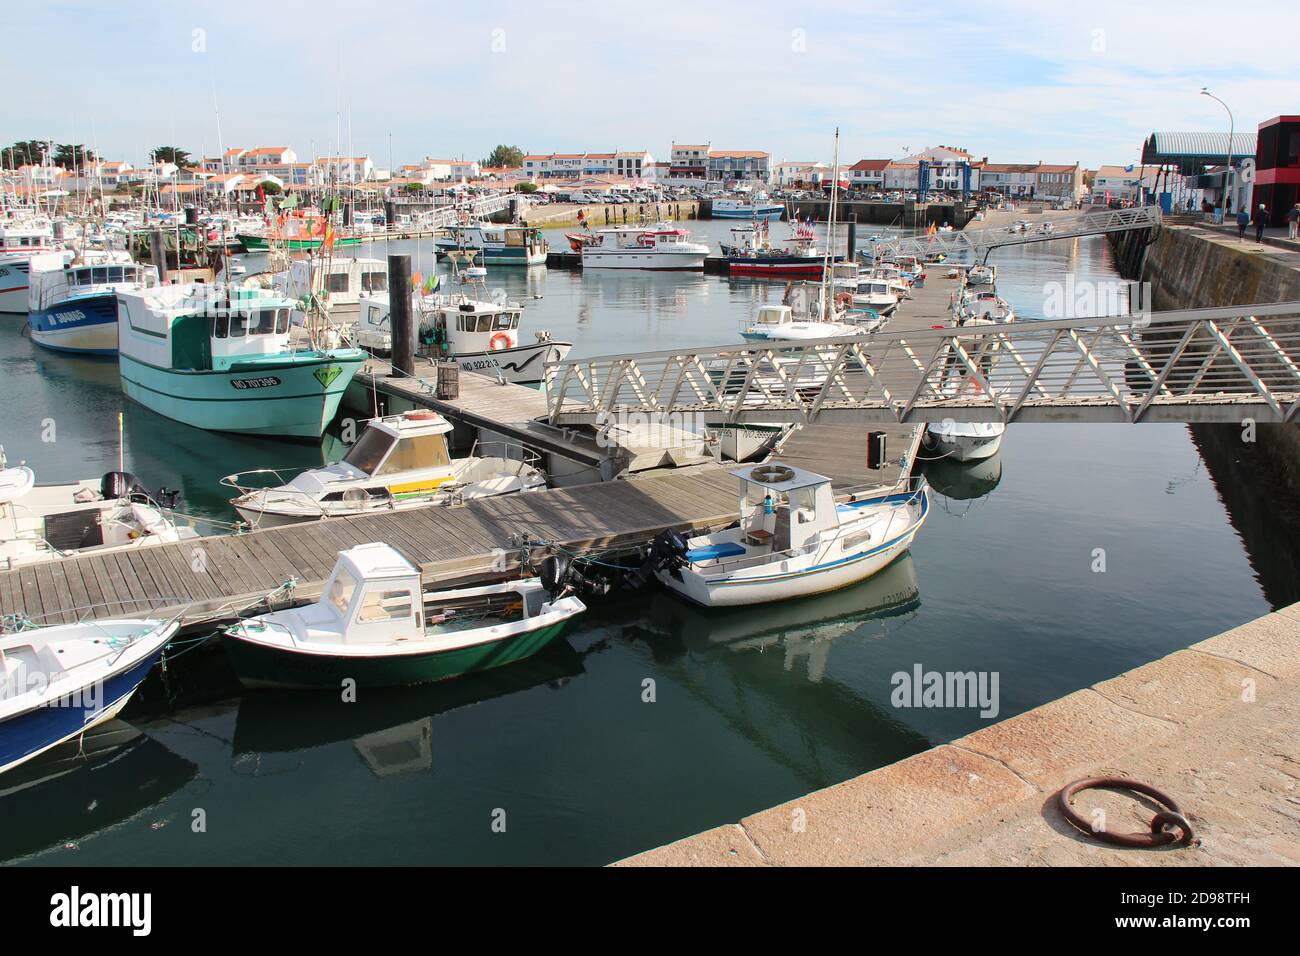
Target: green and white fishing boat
x=254 y=243
x=220 y=358
x=377 y=624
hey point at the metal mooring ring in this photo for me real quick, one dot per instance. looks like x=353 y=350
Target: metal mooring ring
x=1160 y=835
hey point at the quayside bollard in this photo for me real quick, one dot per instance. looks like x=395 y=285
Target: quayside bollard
x=399 y=315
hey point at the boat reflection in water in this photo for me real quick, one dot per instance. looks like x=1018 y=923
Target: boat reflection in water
x=391 y=729
x=964 y=481
x=803 y=628
x=113 y=774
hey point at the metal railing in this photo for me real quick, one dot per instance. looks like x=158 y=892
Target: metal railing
x=1228 y=364
x=979 y=241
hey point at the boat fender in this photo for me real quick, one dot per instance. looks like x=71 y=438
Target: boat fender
x=499 y=341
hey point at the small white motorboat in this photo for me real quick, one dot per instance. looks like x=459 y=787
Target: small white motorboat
x=45 y=522
x=378 y=625
x=964 y=441
x=778 y=322
x=981 y=275
x=397 y=462
x=792 y=540
x=58 y=682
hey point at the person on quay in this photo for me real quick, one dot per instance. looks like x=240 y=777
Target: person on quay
x=1261 y=220
x=1293 y=222
x=1243 y=220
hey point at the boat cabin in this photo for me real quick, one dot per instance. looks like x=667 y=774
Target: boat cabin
x=203 y=327
x=343 y=280
x=415 y=441
x=78 y=281
x=634 y=237
x=374 y=596
x=771 y=316
x=786 y=507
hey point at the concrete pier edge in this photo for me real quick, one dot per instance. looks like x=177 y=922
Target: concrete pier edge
x=1212 y=725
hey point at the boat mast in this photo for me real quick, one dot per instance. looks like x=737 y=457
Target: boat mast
x=830 y=231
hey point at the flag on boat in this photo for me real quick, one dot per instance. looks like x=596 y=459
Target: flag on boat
x=416 y=280
x=329 y=235
x=431 y=284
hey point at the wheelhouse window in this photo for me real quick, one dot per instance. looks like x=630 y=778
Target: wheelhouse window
x=424 y=451
x=336 y=282
x=369 y=450
x=385 y=606
x=374 y=282
x=342 y=588
x=221 y=326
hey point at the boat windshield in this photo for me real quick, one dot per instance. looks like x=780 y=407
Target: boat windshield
x=411 y=454
x=369 y=450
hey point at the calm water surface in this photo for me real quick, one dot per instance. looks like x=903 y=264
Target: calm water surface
x=751 y=707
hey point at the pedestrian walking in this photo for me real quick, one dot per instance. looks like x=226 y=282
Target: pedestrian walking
x=1243 y=220
x=1293 y=222
x=1261 y=220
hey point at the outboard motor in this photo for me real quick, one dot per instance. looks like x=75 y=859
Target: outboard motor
x=667 y=553
x=554 y=574
x=118 y=485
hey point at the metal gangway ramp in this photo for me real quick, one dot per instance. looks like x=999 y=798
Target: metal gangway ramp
x=979 y=242
x=1217 y=365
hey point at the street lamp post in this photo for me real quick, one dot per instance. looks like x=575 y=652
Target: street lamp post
x=1227 y=176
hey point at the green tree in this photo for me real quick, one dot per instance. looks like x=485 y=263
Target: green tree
x=525 y=187
x=25 y=152
x=505 y=156
x=170 y=154
x=270 y=187
x=68 y=155
x=414 y=187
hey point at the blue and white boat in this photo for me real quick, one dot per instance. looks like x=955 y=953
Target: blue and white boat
x=74 y=309
x=58 y=682
x=744 y=207
x=221 y=358
x=500 y=245
x=792 y=540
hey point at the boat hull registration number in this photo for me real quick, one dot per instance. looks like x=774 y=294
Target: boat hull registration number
x=246 y=383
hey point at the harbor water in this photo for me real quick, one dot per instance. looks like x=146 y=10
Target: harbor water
x=1076 y=553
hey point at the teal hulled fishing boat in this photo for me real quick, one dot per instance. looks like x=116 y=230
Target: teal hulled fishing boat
x=221 y=359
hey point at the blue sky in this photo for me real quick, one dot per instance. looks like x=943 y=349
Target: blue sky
x=1013 y=80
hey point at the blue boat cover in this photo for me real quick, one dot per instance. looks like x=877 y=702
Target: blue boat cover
x=714 y=551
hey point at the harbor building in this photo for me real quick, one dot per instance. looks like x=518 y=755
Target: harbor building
x=1277 y=167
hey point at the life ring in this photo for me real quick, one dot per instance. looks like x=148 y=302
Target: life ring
x=772 y=474
x=844 y=299
x=646 y=239
x=499 y=341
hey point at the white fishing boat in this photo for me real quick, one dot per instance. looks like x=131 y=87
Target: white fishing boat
x=398 y=462
x=336 y=284
x=981 y=275
x=379 y=625
x=792 y=540
x=661 y=246
x=964 y=441
x=74 y=309
x=478 y=335
x=985 y=304
x=46 y=522
x=778 y=322
x=23 y=240
x=875 y=294
x=58 y=682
